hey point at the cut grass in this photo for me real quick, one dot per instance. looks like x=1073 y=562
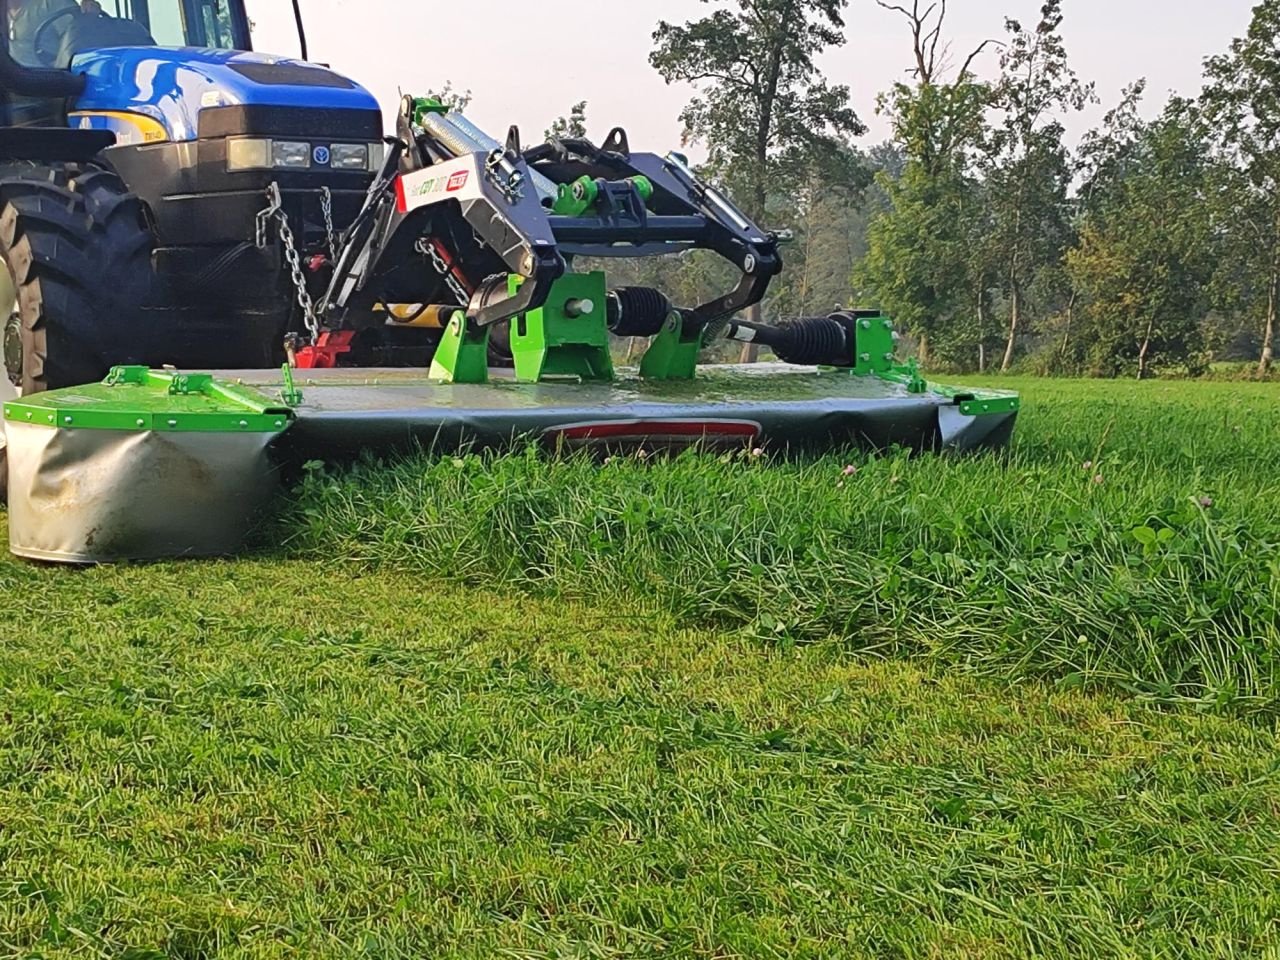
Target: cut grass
x=270 y=758
x=1131 y=539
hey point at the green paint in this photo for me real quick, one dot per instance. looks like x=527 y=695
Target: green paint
x=988 y=404
x=672 y=355
x=138 y=399
x=977 y=402
x=463 y=354
x=876 y=350
x=576 y=198
x=290 y=394
x=422 y=106
x=567 y=336
x=644 y=187
x=580 y=197
x=877 y=356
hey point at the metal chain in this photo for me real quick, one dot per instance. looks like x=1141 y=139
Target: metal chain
x=275 y=211
x=502 y=173
x=330 y=234
x=428 y=249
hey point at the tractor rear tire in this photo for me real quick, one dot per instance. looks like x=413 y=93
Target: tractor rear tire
x=77 y=247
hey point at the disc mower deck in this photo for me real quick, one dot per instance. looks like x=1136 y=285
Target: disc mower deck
x=152 y=465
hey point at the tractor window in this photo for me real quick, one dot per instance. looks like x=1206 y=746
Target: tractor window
x=47 y=33
x=180 y=23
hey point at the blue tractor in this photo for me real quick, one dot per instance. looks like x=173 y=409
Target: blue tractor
x=170 y=197
x=143 y=147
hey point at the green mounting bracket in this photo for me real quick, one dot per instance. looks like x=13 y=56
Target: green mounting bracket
x=566 y=337
x=916 y=382
x=186 y=384
x=581 y=196
x=673 y=354
x=908 y=374
x=877 y=355
x=986 y=405
x=576 y=198
x=291 y=395
x=425 y=105
x=463 y=354
x=876 y=350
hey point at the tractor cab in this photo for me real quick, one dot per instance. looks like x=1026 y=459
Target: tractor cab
x=43 y=35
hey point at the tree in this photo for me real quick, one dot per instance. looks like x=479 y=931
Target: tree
x=1105 y=153
x=919 y=263
x=574 y=125
x=1145 y=255
x=1242 y=103
x=456 y=100
x=764 y=111
x=1025 y=161
x=937 y=121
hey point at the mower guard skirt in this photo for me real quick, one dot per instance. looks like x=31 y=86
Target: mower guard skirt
x=83 y=488
x=92 y=496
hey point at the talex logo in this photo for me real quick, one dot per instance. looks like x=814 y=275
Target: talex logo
x=457 y=181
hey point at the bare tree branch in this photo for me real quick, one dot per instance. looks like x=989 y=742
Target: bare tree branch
x=964 y=70
x=935 y=36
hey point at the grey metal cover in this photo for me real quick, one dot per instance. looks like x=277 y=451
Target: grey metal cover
x=102 y=496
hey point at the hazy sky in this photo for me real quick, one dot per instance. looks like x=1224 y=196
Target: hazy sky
x=527 y=63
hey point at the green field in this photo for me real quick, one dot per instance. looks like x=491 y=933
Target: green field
x=992 y=707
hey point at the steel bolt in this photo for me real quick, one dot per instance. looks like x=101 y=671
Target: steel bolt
x=889 y=357
x=173 y=423
x=244 y=424
x=866 y=324
x=888 y=324
x=67 y=421
x=866 y=358
x=141 y=422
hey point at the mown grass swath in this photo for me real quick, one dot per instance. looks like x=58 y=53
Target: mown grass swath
x=1130 y=538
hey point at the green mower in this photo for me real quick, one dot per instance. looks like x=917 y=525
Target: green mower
x=463 y=253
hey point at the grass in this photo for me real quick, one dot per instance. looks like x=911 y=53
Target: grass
x=1130 y=540
x=520 y=708
x=265 y=759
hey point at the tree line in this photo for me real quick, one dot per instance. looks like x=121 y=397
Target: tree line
x=1151 y=245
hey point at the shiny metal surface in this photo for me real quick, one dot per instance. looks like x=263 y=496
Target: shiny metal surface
x=101 y=496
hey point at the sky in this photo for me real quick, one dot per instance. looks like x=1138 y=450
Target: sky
x=528 y=63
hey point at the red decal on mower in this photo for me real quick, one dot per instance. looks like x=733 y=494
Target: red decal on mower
x=402 y=200
x=656 y=434
x=457 y=181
